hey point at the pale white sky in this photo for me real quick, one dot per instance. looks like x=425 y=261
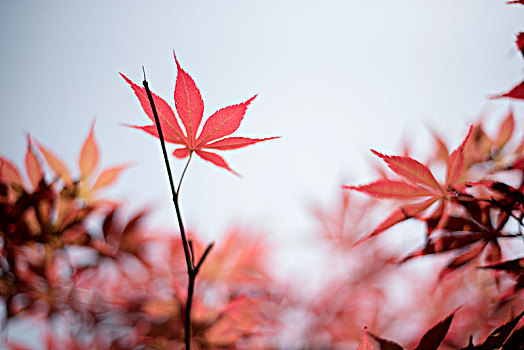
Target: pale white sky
x=334 y=79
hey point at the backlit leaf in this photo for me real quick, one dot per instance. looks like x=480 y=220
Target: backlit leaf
x=497 y=338
x=411 y=169
x=107 y=177
x=88 y=159
x=365 y=344
x=385 y=344
x=236 y=142
x=190 y=108
x=505 y=130
x=188 y=103
x=517 y=92
x=432 y=339
x=32 y=165
x=455 y=164
x=403 y=213
x=10 y=172
x=215 y=159
x=391 y=189
x=223 y=122
x=55 y=164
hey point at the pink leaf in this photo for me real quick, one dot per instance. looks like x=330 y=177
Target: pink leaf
x=10 y=173
x=181 y=152
x=215 y=159
x=411 y=170
x=169 y=136
x=365 y=344
x=32 y=165
x=236 y=142
x=392 y=189
x=399 y=215
x=506 y=130
x=55 y=164
x=188 y=103
x=166 y=116
x=190 y=107
x=223 y=122
x=456 y=162
x=108 y=177
x=89 y=155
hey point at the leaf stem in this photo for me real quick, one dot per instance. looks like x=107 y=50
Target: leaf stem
x=184 y=173
x=192 y=270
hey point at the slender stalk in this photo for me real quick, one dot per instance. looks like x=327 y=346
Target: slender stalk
x=192 y=268
x=189 y=262
x=183 y=173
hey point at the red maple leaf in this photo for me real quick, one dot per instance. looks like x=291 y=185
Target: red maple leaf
x=520 y=42
x=418 y=183
x=190 y=110
x=517 y=92
x=365 y=344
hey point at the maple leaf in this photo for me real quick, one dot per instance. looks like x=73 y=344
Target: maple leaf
x=88 y=161
x=520 y=42
x=517 y=92
x=365 y=344
x=434 y=336
x=418 y=183
x=11 y=175
x=190 y=110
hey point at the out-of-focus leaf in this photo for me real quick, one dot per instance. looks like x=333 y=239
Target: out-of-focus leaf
x=107 y=177
x=32 y=165
x=403 y=213
x=411 y=169
x=432 y=339
x=455 y=163
x=515 y=340
x=497 y=338
x=392 y=189
x=516 y=265
x=447 y=243
x=89 y=155
x=463 y=258
x=517 y=92
x=365 y=344
x=505 y=130
x=385 y=344
x=10 y=173
x=55 y=164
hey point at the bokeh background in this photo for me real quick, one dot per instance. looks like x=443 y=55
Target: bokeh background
x=334 y=78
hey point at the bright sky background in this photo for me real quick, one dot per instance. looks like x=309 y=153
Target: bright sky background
x=334 y=79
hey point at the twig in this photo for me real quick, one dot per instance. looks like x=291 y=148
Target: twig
x=192 y=271
x=183 y=173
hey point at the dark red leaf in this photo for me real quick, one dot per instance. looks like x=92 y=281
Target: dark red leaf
x=515 y=340
x=432 y=339
x=446 y=243
x=517 y=92
x=499 y=335
x=385 y=344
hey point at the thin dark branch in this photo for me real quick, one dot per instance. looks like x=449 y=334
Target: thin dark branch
x=189 y=302
x=206 y=253
x=189 y=261
x=170 y=175
x=192 y=252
